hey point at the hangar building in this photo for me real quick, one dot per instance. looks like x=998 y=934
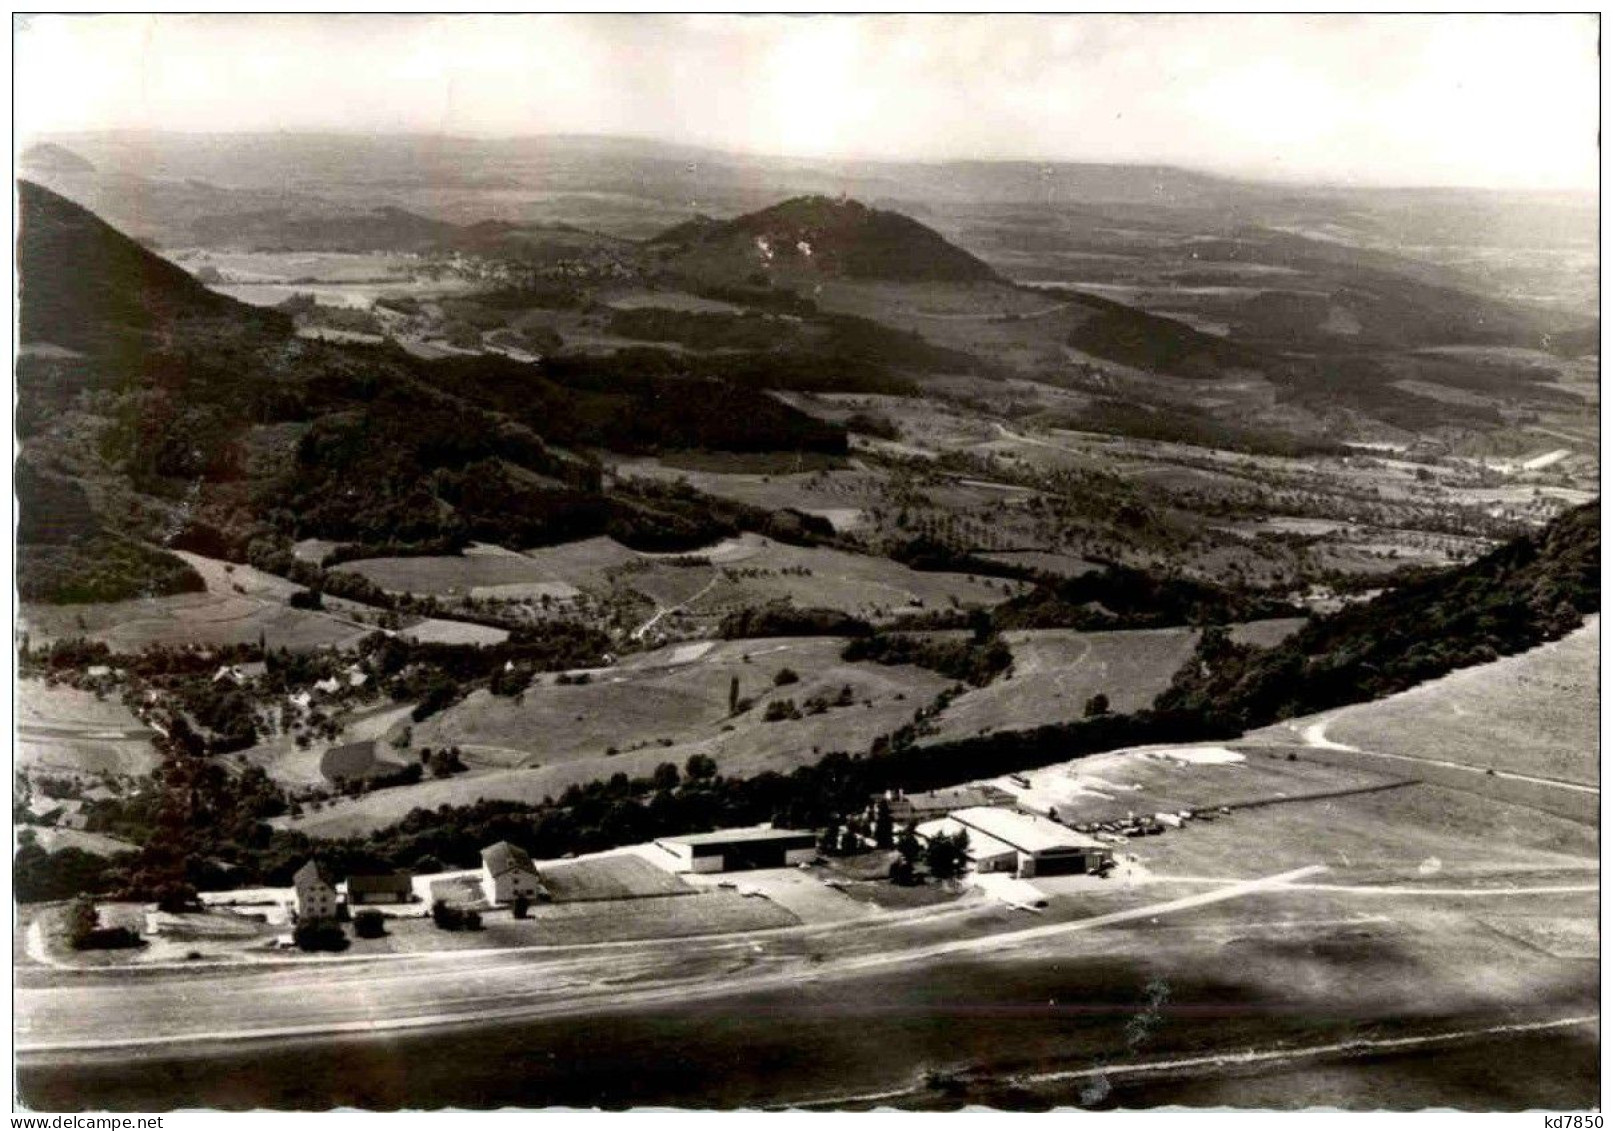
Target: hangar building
x=733 y=850
x=1009 y=840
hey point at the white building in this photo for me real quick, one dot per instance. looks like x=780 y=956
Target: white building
x=1009 y=840
x=316 y=893
x=507 y=872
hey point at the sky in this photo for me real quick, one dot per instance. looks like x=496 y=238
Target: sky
x=1503 y=101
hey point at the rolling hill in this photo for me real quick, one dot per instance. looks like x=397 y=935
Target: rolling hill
x=816 y=235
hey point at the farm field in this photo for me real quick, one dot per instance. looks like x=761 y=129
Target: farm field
x=62 y=730
x=660 y=707
x=333 y=278
x=1056 y=671
x=479 y=572
x=433 y=630
x=762 y=571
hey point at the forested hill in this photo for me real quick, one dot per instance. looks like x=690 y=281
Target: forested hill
x=1529 y=591
x=83 y=280
x=831 y=237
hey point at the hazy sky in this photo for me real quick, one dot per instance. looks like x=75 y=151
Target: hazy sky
x=1506 y=101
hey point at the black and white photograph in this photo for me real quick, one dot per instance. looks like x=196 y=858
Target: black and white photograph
x=802 y=561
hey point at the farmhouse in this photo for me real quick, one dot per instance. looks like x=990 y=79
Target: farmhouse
x=507 y=872
x=1008 y=840
x=732 y=850
x=388 y=887
x=316 y=893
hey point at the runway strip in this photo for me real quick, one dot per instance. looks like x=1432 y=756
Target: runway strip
x=992 y=944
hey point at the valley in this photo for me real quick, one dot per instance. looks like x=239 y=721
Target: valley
x=1244 y=535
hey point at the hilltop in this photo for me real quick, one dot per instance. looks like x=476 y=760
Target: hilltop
x=819 y=235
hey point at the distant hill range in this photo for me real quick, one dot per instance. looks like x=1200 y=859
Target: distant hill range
x=48 y=158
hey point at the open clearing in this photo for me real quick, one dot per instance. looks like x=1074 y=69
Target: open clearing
x=99 y=844
x=1056 y=671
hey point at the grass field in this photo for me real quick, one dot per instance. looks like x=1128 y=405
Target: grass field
x=660 y=706
x=1449 y=836
x=619 y=875
x=479 y=572
x=1112 y=786
x=62 y=730
x=875 y=588
x=1056 y=671
x=1534 y=713
x=431 y=630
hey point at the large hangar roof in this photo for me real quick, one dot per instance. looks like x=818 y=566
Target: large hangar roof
x=1024 y=831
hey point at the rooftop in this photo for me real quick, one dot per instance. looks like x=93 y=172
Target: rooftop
x=737 y=836
x=506 y=857
x=1024 y=831
x=399 y=882
x=310 y=872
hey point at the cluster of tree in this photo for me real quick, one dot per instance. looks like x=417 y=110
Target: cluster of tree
x=1117 y=332
x=449 y=917
x=702 y=330
x=1123 y=597
x=976 y=660
x=785 y=619
x=775 y=300
x=319 y=935
x=101 y=567
x=83 y=929
x=442 y=763
x=1153 y=422
x=932 y=555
